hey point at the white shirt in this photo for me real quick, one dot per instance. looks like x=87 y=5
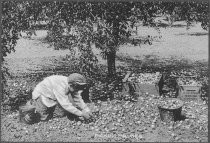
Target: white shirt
x=52 y=91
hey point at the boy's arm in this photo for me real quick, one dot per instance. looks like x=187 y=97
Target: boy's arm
x=66 y=104
x=80 y=102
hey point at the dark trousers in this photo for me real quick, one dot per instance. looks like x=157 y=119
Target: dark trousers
x=47 y=113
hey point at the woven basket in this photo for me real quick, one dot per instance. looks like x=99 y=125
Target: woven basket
x=27 y=113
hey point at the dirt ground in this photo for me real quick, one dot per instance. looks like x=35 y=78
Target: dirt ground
x=116 y=120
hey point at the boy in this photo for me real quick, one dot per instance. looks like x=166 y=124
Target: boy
x=57 y=95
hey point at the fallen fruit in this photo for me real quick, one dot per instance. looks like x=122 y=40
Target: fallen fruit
x=170 y=103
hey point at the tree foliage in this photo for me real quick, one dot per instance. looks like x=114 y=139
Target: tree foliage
x=9 y=32
x=83 y=24
x=189 y=11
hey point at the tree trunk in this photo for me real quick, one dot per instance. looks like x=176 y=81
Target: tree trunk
x=112 y=54
x=111 y=64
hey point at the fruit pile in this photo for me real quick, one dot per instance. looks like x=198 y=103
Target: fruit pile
x=170 y=103
x=188 y=81
x=145 y=78
x=104 y=90
x=171 y=94
x=115 y=121
x=184 y=72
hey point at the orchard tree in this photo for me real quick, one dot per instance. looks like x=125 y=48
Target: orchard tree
x=188 y=11
x=105 y=24
x=83 y=24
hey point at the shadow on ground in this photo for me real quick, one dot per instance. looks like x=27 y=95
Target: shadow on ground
x=151 y=63
x=194 y=34
x=165 y=25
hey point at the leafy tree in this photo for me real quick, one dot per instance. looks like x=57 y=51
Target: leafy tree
x=111 y=21
x=188 y=11
x=103 y=24
x=81 y=24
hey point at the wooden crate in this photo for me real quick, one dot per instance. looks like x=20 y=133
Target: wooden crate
x=130 y=87
x=149 y=88
x=189 y=92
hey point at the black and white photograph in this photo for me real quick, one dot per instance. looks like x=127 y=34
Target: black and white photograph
x=104 y=71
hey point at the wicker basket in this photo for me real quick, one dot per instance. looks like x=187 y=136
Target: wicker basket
x=27 y=113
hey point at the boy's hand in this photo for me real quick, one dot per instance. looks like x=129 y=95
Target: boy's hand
x=86 y=114
x=81 y=118
x=91 y=114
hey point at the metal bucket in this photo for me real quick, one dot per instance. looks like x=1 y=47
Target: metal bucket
x=168 y=115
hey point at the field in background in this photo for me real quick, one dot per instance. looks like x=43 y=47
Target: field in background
x=176 y=42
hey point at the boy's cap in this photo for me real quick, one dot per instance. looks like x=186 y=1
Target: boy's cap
x=77 y=78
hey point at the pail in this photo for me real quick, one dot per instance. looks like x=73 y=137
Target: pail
x=168 y=114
